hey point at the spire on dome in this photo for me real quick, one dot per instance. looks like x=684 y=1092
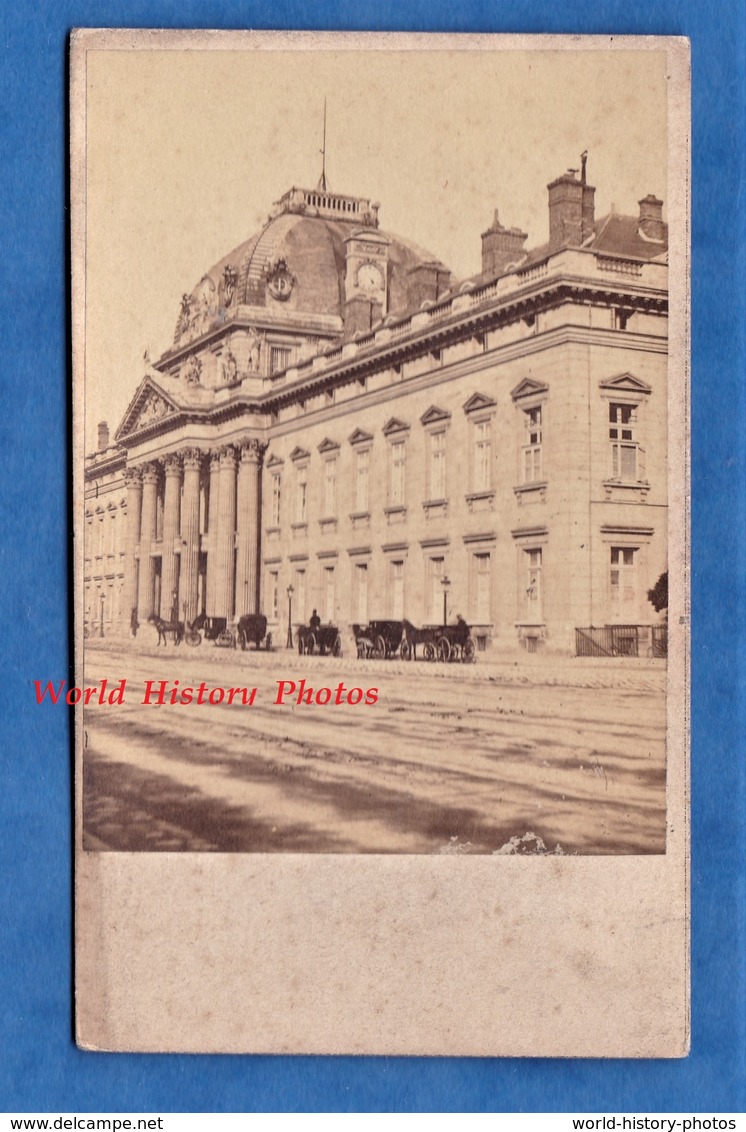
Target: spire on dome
x=322 y=185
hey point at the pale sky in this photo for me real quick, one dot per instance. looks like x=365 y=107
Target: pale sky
x=187 y=150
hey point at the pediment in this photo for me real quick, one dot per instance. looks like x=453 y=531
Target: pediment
x=360 y=436
x=299 y=453
x=149 y=406
x=528 y=388
x=477 y=402
x=395 y=425
x=328 y=445
x=625 y=383
x=274 y=462
x=434 y=415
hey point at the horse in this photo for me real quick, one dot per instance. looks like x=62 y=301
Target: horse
x=363 y=641
x=163 y=628
x=412 y=637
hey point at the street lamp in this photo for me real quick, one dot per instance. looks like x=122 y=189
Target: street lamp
x=290 y=593
x=101 y=624
x=445 y=582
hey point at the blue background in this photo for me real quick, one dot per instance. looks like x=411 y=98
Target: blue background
x=40 y=1068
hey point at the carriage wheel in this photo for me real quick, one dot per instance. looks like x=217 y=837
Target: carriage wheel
x=337 y=646
x=193 y=638
x=428 y=650
x=242 y=640
x=444 y=650
x=379 y=650
x=467 y=653
x=405 y=651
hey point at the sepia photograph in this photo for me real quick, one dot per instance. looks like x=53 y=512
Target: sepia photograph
x=380 y=390
x=376 y=452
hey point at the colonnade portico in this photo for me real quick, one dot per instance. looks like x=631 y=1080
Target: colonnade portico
x=166 y=500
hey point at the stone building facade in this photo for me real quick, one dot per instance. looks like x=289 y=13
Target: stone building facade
x=338 y=414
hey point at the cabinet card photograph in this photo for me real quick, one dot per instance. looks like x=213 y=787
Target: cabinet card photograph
x=380 y=451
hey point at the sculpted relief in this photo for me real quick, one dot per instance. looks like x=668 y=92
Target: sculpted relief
x=230 y=279
x=200 y=309
x=191 y=370
x=153 y=410
x=280 y=280
x=255 y=351
x=228 y=367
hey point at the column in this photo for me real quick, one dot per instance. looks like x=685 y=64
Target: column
x=171 y=507
x=147 y=534
x=226 y=533
x=247 y=527
x=189 y=577
x=213 y=503
x=133 y=482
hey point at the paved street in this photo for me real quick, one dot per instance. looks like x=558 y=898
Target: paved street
x=451 y=759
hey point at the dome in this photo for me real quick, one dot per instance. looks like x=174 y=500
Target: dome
x=298 y=265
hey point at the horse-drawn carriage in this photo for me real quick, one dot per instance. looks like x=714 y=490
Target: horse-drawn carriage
x=379 y=639
x=319 y=640
x=252 y=627
x=383 y=640
x=213 y=629
x=166 y=629
x=440 y=642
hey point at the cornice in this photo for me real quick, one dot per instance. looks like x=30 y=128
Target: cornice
x=95 y=469
x=249 y=318
x=530 y=300
x=460 y=325
x=474 y=365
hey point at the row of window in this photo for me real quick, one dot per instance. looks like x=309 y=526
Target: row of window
x=102 y=535
x=435 y=605
x=626 y=464
x=622 y=577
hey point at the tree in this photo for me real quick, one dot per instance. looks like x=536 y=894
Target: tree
x=658 y=596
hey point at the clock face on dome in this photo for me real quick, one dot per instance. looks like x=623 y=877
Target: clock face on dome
x=370 y=279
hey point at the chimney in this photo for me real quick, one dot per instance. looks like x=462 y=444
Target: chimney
x=361 y=315
x=651 y=225
x=103 y=436
x=501 y=247
x=426 y=282
x=571 y=209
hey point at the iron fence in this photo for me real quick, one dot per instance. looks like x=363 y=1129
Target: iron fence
x=622 y=640
x=608 y=640
x=660 y=640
